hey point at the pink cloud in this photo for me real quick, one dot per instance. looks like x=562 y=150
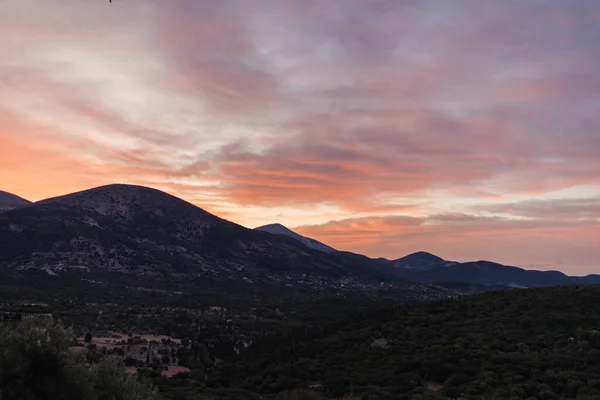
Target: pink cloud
x=570 y=246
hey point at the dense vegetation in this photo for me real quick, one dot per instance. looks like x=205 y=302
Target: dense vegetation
x=35 y=364
x=514 y=344
x=518 y=344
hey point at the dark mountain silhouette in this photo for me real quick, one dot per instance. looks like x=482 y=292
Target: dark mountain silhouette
x=490 y=273
x=9 y=201
x=279 y=229
x=421 y=261
x=139 y=230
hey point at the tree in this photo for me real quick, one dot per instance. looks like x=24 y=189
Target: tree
x=88 y=337
x=35 y=364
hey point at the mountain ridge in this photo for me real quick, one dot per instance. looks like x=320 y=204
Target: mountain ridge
x=131 y=228
x=279 y=229
x=421 y=260
x=134 y=229
x=10 y=201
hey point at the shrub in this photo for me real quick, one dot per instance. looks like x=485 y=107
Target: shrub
x=35 y=364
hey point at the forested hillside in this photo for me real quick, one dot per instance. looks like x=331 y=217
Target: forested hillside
x=518 y=344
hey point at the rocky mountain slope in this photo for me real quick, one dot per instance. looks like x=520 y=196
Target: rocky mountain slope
x=145 y=231
x=279 y=229
x=9 y=201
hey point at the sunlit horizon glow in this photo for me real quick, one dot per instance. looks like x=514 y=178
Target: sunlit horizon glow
x=467 y=129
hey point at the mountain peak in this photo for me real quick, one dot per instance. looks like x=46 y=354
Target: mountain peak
x=274 y=228
x=421 y=260
x=125 y=191
x=279 y=229
x=126 y=202
x=422 y=256
x=9 y=201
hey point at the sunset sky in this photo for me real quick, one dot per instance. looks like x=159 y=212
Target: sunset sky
x=470 y=129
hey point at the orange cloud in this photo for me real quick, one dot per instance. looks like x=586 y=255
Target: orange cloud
x=571 y=246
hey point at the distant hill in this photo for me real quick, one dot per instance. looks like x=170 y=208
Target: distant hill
x=427 y=268
x=490 y=273
x=421 y=261
x=279 y=229
x=9 y=201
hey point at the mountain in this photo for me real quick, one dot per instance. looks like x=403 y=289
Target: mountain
x=146 y=232
x=143 y=231
x=9 y=201
x=278 y=229
x=592 y=279
x=427 y=268
x=490 y=273
x=421 y=261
